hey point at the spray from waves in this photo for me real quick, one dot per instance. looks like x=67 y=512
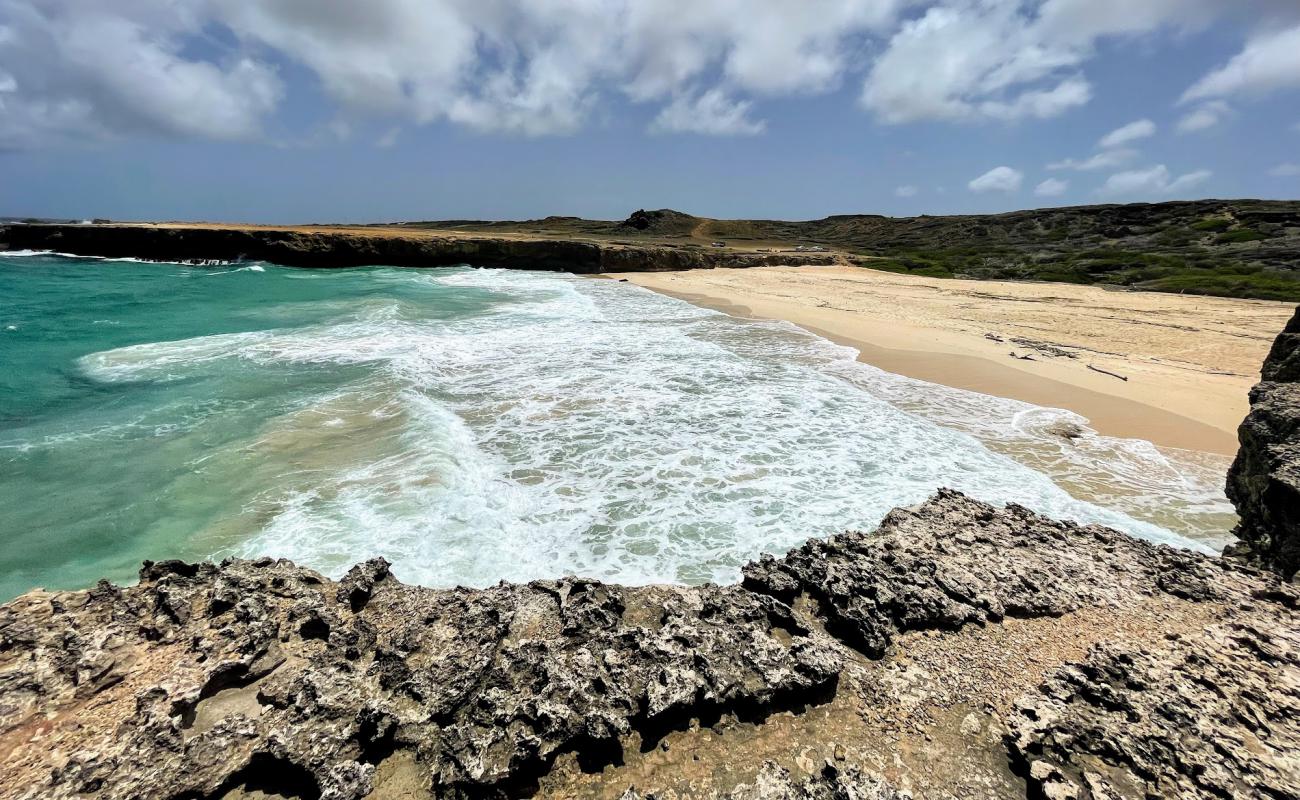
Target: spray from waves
x=586 y=427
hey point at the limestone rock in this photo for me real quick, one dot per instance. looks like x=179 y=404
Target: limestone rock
x=1264 y=481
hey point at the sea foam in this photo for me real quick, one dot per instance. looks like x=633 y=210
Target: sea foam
x=596 y=428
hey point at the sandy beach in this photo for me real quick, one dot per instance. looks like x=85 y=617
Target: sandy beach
x=1171 y=369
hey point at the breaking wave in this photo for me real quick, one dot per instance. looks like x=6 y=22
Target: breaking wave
x=594 y=427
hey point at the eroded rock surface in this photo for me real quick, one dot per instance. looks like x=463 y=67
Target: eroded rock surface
x=1264 y=481
x=1166 y=672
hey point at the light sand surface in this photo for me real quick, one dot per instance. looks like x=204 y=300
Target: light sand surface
x=1189 y=361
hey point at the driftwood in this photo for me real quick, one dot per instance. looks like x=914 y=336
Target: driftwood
x=1104 y=372
x=1021 y=358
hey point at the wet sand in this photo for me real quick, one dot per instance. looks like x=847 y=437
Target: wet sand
x=1180 y=366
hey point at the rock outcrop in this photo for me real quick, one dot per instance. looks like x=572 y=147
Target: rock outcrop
x=960 y=650
x=1264 y=481
x=323 y=247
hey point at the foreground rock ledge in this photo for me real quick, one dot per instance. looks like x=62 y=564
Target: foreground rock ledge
x=960 y=650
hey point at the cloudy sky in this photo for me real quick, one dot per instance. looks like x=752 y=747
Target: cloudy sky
x=300 y=110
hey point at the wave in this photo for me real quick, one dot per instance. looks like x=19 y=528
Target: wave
x=189 y=262
x=596 y=428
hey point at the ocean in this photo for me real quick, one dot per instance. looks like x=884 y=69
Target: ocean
x=478 y=425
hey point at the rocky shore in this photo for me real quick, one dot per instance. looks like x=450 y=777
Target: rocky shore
x=960 y=650
x=1264 y=481
x=352 y=247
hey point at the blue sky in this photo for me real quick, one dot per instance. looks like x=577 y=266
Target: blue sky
x=329 y=110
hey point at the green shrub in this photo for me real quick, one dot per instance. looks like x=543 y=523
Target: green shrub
x=1212 y=224
x=1241 y=235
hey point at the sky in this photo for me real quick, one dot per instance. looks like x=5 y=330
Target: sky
x=296 y=111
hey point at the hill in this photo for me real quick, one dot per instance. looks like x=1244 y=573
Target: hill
x=1229 y=248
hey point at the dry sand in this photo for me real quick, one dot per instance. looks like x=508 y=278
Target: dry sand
x=1189 y=361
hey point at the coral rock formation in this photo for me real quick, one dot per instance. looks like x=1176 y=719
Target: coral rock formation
x=210 y=681
x=1264 y=481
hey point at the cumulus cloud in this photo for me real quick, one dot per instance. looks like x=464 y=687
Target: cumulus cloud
x=1052 y=187
x=998 y=179
x=1155 y=181
x=905 y=191
x=531 y=67
x=711 y=113
x=1269 y=62
x=1131 y=132
x=1012 y=59
x=1207 y=115
x=964 y=60
x=75 y=69
x=218 y=68
x=1286 y=170
x=1107 y=159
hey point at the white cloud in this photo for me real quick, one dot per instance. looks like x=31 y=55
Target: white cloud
x=532 y=67
x=217 y=68
x=1287 y=170
x=1156 y=181
x=76 y=69
x=711 y=113
x=1052 y=187
x=1269 y=62
x=905 y=191
x=1015 y=59
x=1131 y=132
x=998 y=179
x=965 y=60
x=1107 y=159
x=1207 y=115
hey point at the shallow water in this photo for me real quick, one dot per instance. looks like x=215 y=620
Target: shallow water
x=475 y=425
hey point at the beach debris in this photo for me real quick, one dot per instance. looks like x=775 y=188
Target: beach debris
x=1108 y=372
x=1045 y=348
x=993 y=337
x=1025 y=357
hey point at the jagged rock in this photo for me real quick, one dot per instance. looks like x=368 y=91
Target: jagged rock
x=1216 y=715
x=260 y=676
x=1264 y=481
x=955 y=561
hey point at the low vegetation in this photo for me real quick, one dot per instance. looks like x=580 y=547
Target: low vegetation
x=1230 y=248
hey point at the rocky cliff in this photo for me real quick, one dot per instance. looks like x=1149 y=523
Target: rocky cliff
x=323 y=247
x=958 y=651
x=1264 y=482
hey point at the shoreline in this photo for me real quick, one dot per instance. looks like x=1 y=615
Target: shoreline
x=1178 y=403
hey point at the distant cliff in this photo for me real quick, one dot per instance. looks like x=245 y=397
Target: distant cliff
x=323 y=247
x=1229 y=248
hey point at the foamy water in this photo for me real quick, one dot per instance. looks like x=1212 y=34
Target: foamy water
x=559 y=425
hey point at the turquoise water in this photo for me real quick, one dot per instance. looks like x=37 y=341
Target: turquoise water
x=475 y=425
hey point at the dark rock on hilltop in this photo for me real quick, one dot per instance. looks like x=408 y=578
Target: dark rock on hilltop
x=1264 y=481
x=858 y=666
x=665 y=221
